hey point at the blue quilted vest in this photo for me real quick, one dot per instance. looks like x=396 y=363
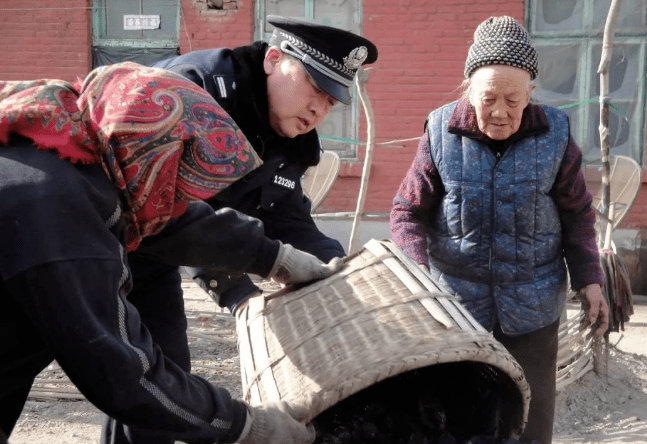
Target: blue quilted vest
x=495 y=239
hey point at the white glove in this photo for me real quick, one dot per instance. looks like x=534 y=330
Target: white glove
x=272 y=423
x=294 y=266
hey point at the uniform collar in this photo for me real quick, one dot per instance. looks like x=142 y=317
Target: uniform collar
x=250 y=110
x=463 y=122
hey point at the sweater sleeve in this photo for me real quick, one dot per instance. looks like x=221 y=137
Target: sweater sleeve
x=416 y=198
x=578 y=219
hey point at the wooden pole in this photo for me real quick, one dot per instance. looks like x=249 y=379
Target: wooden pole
x=360 y=80
x=600 y=366
x=603 y=70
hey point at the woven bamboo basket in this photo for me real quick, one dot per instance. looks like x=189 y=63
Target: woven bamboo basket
x=380 y=316
x=575 y=345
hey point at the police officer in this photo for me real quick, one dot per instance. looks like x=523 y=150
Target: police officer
x=277 y=93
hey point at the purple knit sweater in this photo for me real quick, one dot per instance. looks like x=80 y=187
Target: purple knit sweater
x=421 y=192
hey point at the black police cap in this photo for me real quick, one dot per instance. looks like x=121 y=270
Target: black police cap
x=330 y=55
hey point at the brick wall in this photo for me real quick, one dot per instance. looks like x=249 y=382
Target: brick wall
x=422 y=49
x=637 y=217
x=53 y=38
x=44 y=39
x=422 y=45
x=202 y=28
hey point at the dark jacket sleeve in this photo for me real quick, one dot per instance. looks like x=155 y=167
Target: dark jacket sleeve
x=218 y=248
x=100 y=343
x=226 y=290
x=292 y=224
x=287 y=222
x=64 y=266
x=224 y=240
x=273 y=194
x=285 y=212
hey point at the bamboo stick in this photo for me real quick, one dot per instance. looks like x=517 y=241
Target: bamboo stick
x=603 y=70
x=361 y=80
x=599 y=365
x=35 y=394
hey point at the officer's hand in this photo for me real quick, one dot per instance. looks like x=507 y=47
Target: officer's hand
x=293 y=266
x=272 y=423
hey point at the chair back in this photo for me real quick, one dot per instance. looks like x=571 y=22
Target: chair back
x=318 y=180
x=624 y=180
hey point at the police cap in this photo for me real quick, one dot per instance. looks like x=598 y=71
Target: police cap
x=330 y=55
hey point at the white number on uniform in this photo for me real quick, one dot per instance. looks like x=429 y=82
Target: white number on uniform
x=283 y=182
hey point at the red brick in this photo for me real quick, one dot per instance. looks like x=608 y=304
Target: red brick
x=420 y=67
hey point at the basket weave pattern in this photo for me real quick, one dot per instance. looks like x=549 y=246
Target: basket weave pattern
x=378 y=317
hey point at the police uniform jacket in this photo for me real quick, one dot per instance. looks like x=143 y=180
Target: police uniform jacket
x=272 y=193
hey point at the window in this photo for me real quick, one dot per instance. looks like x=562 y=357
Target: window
x=143 y=31
x=341 y=124
x=568 y=37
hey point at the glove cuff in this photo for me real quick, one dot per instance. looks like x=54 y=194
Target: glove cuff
x=281 y=270
x=246 y=428
x=256 y=426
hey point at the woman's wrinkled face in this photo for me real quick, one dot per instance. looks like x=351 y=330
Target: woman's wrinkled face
x=499 y=94
x=296 y=104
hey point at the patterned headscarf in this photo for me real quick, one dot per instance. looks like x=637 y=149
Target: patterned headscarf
x=162 y=140
x=501 y=41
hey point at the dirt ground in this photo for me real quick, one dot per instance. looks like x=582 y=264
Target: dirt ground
x=609 y=408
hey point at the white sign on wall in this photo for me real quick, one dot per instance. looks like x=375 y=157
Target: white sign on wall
x=134 y=22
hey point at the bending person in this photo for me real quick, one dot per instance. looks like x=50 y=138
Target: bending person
x=88 y=173
x=277 y=93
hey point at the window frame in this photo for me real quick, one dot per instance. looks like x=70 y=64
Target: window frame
x=99 y=21
x=588 y=38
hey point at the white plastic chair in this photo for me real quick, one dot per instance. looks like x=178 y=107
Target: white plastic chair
x=624 y=180
x=318 y=180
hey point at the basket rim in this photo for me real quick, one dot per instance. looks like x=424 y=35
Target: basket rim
x=343 y=384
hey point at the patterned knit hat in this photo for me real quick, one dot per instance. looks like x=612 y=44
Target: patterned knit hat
x=501 y=41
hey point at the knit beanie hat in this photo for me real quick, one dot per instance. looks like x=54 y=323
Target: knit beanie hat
x=501 y=41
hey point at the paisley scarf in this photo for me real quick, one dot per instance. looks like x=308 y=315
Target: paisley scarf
x=162 y=140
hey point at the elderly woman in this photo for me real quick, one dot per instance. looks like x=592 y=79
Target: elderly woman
x=89 y=172
x=496 y=208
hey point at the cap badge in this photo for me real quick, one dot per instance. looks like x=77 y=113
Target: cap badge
x=356 y=57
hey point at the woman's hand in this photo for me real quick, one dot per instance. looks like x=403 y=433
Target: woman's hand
x=597 y=309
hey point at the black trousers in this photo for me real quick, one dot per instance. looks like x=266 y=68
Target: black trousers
x=23 y=356
x=536 y=352
x=157 y=295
